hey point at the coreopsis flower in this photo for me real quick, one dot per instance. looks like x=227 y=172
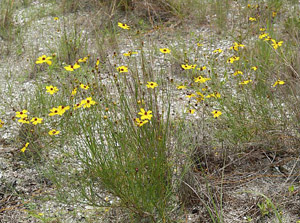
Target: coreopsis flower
x=262 y=29
x=191 y=111
x=122 y=69
x=51 y=90
x=165 y=50
x=88 y=102
x=218 y=50
x=85 y=87
x=21 y=114
x=44 y=59
x=263 y=36
x=53 y=132
x=214 y=95
x=274 y=14
x=216 y=113
x=202 y=68
x=24 y=120
x=54 y=111
x=25 y=147
x=82 y=60
x=151 y=84
x=232 y=59
x=74 y=91
x=72 y=67
x=186 y=66
x=201 y=79
x=139 y=122
x=237 y=72
x=76 y=106
x=236 y=46
x=254 y=68
x=280 y=82
x=190 y=95
x=200 y=44
x=56 y=18
x=36 y=120
x=194 y=66
x=200 y=96
x=252 y=19
x=123 y=25
x=276 y=44
x=179 y=87
x=129 y=53
x=1 y=123
x=60 y=110
x=245 y=82
x=145 y=114
x=63 y=109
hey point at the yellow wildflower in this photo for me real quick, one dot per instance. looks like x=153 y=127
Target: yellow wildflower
x=252 y=19
x=74 y=91
x=85 y=87
x=280 y=82
x=72 y=67
x=53 y=132
x=245 y=82
x=123 y=25
x=201 y=79
x=145 y=114
x=36 y=120
x=237 y=72
x=51 y=90
x=139 y=122
x=44 y=59
x=151 y=84
x=218 y=50
x=179 y=87
x=165 y=50
x=83 y=60
x=276 y=44
x=216 y=113
x=232 y=59
x=88 y=102
x=21 y=114
x=186 y=66
x=24 y=120
x=202 y=68
x=122 y=69
x=129 y=53
x=25 y=147
x=1 y=123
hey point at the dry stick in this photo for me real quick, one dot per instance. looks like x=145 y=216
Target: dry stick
x=290 y=174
